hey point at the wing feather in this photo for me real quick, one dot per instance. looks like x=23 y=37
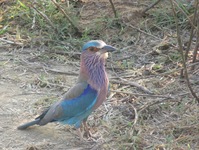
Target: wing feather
x=76 y=105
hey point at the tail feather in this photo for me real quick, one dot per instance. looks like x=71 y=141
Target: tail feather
x=26 y=125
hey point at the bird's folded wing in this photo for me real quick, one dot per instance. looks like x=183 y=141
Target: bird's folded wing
x=75 y=91
x=77 y=103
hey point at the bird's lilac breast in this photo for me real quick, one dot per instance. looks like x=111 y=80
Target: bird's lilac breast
x=102 y=94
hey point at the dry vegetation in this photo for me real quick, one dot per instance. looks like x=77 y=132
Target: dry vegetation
x=150 y=105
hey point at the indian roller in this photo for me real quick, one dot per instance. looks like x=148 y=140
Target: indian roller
x=86 y=95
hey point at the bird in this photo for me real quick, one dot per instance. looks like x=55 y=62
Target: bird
x=89 y=92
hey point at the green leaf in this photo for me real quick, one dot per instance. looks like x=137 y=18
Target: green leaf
x=22 y=4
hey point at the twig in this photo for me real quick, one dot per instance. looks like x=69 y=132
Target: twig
x=190 y=40
x=127 y=57
x=45 y=17
x=67 y=17
x=34 y=16
x=197 y=39
x=67 y=53
x=132 y=84
x=164 y=98
x=62 y=72
x=10 y=42
x=129 y=25
x=182 y=54
x=161 y=101
x=150 y=6
x=152 y=103
x=136 y=115
x=52 y=84
x=137 y=94
x=192 y=23
x=113 y=8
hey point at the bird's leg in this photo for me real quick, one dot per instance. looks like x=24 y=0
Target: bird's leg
x=86 y=129
x=80 y=134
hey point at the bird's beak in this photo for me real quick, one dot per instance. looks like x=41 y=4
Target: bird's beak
x=108 y=48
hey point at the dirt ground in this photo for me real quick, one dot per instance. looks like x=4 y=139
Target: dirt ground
x=33 y=77
x=17 y=98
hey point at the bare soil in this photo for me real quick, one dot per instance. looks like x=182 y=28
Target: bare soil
x=32 y=78
x=19 y=96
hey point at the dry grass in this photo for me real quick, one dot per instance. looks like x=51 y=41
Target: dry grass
x=124 y=122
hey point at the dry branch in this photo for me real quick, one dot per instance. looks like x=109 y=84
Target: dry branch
x=129 y=25
x=45 y=17
x=190 y=39
x=62 y=72
x=11 y=42
x=67 y=17
x=136 y=115
x=113 y=8
x=197 y=37
x=145 y=95
x=132 y=84
x=191 y=22
x=182 y=54
x=150 y=6
x=174 y=98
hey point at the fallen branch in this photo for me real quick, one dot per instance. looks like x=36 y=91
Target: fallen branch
x=127 y=57
x=136 y=114
x=10 y=42
x=62 y=72
x=144 y=107
x=137 y=94
x=162 y=100
x=150 y=6
x=129 y=25
x=132 y=84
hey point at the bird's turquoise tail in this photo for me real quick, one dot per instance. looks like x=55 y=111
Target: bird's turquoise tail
x=26 y=125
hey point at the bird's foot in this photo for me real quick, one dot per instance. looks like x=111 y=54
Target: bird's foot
x=86 y=136
x=90 y=137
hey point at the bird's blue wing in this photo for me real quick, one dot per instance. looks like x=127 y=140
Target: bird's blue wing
x=72 y=111
x=77 y=109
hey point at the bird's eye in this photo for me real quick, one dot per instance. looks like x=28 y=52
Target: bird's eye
x=93 y=49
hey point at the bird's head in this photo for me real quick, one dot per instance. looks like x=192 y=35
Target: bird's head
x=97 y=48
x=94 y=54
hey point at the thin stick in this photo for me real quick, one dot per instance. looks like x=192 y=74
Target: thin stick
x=133 y=84
x=191 y=22
x=10 y=42
x=144 y=107
x=113 y=8
x=34 y=16
x=197 y=38
x=182 y=54
x=45 y=17
x=190 y=40
x=129 y=25
x=137 y=94
x=127 y=57
x=62 y=72
x=150 y=6
x=136 y=115
x=67 y=17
